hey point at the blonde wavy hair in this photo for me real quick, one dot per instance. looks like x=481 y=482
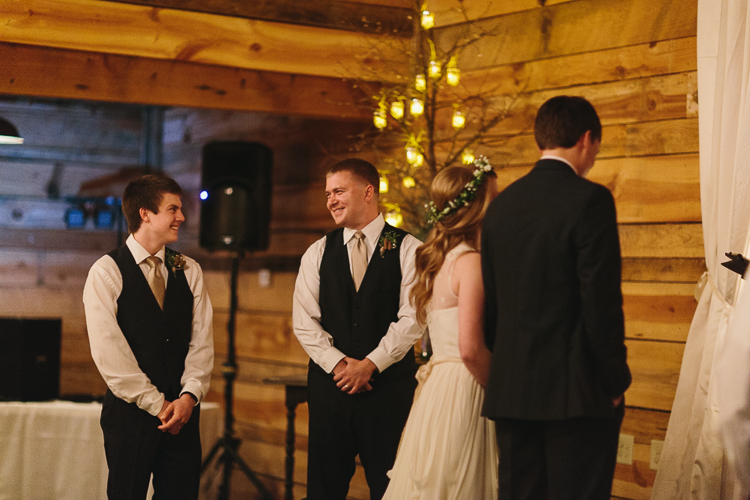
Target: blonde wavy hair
x=449 y=232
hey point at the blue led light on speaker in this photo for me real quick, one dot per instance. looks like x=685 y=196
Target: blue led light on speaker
x=204 y=195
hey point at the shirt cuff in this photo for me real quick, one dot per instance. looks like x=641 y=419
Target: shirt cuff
x=155 y=408
x=380 y=358
x=330 y=359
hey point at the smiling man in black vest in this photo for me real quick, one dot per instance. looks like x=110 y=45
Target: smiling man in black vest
x=149 y=322
x=353 y=318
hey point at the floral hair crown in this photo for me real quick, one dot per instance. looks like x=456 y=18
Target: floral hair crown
x=467 y=194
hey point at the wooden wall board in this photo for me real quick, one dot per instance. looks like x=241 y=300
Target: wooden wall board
x=686 y=270
x=661 y=240
x=262 y=337
x=43 y=71
x=251 y=297
x=655 y=367
x=657 y=314
x=336 y=14
x=167 y=34
x=556 y=30
x=620 y=63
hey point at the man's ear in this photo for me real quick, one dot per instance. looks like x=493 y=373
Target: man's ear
x=584 y=140
x=369 y=192
x=144 y=212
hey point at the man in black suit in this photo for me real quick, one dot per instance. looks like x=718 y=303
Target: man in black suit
x=554 y=322
x=352 y=315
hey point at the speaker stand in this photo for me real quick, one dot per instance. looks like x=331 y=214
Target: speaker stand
x=229 y=443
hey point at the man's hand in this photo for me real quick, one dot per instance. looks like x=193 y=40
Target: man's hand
x=176 y=414
x=353 y=376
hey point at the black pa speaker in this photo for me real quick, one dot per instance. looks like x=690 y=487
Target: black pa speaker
x=236 y=196
x=29 y=359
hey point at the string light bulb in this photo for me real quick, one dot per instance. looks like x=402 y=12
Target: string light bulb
x=397 y=109
x=420 y=83
x=434 y=70
x=419 y=160
x=467 y=157
x=428 y=19
x=379 y=119
x=383 y=184
x=409 y=182
x=394 y=218
x=459 y=120
x=411 y=155
x=453 y=74
x=417 y=107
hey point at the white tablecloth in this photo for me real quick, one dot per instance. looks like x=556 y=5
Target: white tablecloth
x=55 y=450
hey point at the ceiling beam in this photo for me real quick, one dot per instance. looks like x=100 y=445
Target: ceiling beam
x=177 y=35
x=335 y=14
x=45 y=72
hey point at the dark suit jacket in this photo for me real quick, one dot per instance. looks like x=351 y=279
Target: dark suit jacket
x=554 y=322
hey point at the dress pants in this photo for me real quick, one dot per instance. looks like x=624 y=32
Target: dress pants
x=571 y=459
x=342 y=425
x=135 y=448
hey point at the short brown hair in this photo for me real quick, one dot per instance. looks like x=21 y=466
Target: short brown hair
x=562 y=120
x=363 y=169
x=146 y=192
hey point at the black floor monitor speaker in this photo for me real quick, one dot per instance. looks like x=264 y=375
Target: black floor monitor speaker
x=235 y=196
x=29 y=359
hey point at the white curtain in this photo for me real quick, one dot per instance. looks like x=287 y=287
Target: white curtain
x=695 y=463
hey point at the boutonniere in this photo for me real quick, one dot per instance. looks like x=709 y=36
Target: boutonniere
x=174 y=261
x=387 y=242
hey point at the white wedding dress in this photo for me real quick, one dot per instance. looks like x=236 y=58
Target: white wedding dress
x=448 y=450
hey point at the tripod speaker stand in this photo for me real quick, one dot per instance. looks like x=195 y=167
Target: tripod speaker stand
x=229 y=443
x=235 y=215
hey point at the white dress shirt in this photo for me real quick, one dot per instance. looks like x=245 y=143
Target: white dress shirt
x=110 y=349
x=306 y=315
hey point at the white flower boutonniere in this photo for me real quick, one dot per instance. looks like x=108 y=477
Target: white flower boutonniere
x=174 y=261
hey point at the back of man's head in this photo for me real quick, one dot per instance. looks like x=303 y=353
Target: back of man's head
x=562 y=120
x=146 y=192
x=362 y=169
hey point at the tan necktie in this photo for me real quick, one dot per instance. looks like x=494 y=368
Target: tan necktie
x=155 y=279
x=359 y=259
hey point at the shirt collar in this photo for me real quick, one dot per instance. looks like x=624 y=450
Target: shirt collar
x=372 y=230
x=139 y=253
x=559 y=158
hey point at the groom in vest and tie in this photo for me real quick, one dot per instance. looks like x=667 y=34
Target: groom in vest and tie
x=149 y=322
x=353 y=317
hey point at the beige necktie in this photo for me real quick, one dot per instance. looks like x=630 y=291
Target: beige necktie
x=155 y=279
x=359 y=259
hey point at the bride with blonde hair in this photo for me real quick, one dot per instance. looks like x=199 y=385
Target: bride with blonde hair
x=448 y=450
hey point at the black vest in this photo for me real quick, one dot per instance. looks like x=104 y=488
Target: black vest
x=358 y=320
x=159 y=339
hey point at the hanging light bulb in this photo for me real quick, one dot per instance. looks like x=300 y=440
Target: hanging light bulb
x=417 y=107
x=420 y=83
x=397 y=109
x=467 y=157
x=379 y=119
x=394 y=218
x=409 y=182
x=419 y=160
x=383 y=184
x=434 y=70
x=453 y=74
x=411 y=154
x=428 y=19
x=459 y=120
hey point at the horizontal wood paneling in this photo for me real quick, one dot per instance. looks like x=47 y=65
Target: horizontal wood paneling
x=556 y=30
x=74 y=74
x=663 y=269
x=658 y=311
x=133 y=30
x=661 y=240
x=656 y=368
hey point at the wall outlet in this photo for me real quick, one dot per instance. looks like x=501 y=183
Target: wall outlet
x=656 y=447
x=625 y=449
x=264 y=278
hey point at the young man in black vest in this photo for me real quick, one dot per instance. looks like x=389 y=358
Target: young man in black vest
x=353 y=317
x=554 y=321
x=149 y=322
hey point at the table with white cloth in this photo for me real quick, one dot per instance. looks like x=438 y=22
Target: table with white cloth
x=55 y=451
